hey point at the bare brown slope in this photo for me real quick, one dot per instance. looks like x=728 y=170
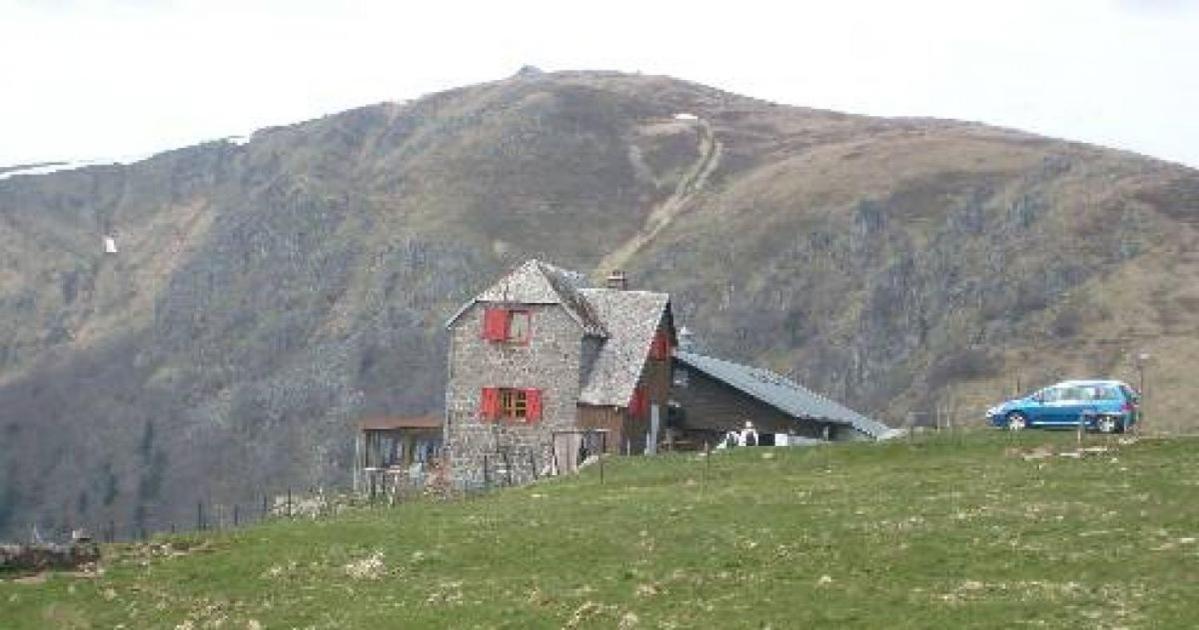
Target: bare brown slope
x=267 y=295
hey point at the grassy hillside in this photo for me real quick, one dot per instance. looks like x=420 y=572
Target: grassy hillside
x=950 y=531
x=268 y=295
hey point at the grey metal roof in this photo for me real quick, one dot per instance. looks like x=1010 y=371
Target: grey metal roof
x=783 y=394
x=631 y=318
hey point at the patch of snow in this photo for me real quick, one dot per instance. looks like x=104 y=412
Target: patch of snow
x=46 y=168
x=240 y=141
x=685 y=116
x=42 y=169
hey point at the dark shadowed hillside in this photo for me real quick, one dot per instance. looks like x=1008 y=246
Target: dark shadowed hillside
x=267 y=295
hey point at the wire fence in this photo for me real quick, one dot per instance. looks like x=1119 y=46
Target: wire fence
x=389 y=486
x=203 y=515
x=490 y=471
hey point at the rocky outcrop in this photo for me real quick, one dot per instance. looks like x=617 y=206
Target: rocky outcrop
x=35 y=558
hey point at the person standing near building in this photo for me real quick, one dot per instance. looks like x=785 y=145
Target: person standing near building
x=749 y=435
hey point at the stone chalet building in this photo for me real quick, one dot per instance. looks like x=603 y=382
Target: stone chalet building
x=541 y=366
x=539 y=357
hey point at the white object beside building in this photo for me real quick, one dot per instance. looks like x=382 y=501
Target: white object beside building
x=110 y=245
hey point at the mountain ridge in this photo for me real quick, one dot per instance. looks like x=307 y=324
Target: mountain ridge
x=268 y=294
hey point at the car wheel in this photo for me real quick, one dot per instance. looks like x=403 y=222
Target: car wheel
x=1016 y=421
x=1106 y=424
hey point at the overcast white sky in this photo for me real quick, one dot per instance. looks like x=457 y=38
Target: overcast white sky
x=112 y=78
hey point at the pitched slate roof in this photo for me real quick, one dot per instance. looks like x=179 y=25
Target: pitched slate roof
x=631 y=318
x=625 y=321
x=537 y=282
x=783 y=394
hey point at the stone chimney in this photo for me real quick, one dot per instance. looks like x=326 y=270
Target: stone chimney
x=617 y=280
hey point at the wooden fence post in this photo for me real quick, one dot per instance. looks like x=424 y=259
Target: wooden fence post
x=707 y=464
x=556 y=469
x=603 y=453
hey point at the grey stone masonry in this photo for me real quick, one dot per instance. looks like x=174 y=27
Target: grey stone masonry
x=502 y=450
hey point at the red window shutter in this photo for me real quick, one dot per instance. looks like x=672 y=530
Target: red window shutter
x=491 y=403
x=495 y=324
x=488 y=316
x=637 y=403
x=533 y=405
x=660 y=350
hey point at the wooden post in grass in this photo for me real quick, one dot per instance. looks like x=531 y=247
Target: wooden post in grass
x=507 y=467
x=289 y=502
x=200 y=515
x=707 y=465
x=555 y=470
x=486 y=477
x=602 y=453
x=533 y=465
x=236 y=520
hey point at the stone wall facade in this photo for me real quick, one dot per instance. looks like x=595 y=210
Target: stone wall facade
x=501 y=451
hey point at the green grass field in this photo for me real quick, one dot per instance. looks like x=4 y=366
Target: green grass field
x=949 y=531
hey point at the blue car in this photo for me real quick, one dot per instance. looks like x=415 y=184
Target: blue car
x=1105 y=406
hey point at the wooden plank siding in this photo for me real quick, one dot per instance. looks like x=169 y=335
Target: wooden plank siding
x=712 y=407
x=625 y=432
x=656 y=379
x=611 y=419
